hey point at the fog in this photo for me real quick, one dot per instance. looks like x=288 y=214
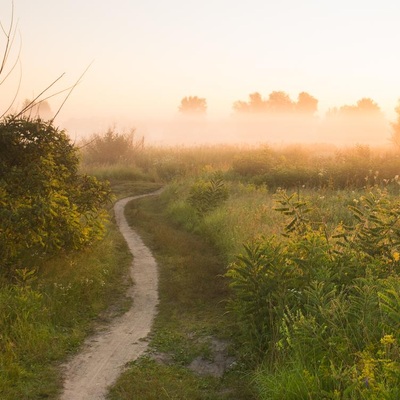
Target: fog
x=244 y=129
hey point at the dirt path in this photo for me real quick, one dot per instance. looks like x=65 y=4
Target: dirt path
x=98 y=365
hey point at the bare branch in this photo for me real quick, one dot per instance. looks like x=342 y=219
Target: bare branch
x=15 y=63
x=16 y=93
x=34 y=102
x=71 y=90
x=10 y=35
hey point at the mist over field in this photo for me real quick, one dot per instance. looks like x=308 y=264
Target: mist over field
x=274 y=120
x=249 y=130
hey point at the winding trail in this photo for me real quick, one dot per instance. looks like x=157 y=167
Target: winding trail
x=89 y=374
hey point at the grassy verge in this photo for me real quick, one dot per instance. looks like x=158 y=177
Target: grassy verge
x=46 y=316
x=47 y=312
x=192 y=328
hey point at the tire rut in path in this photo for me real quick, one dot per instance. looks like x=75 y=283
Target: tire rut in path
x=89 y=374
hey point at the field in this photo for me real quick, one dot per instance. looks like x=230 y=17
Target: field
x=283 y=263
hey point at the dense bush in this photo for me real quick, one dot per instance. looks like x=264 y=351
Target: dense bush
x=111 y=147
x=206 y=195
x=45 y=205
x=323 y=309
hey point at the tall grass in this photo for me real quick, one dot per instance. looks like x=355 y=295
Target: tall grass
x=248 y=212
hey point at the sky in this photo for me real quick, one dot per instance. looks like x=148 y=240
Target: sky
x=145 y=56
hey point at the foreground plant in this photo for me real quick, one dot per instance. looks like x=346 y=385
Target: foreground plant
x=323 y=309
x=45 y=204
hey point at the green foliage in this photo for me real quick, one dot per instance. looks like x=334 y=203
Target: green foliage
x=46 y=313
x=327 y=304
x=296 y=209
x=261 y=279
x=207 y=195
x=377 y=228
x=46 y=205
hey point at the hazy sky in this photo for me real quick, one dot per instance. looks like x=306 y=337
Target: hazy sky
x=147 y=55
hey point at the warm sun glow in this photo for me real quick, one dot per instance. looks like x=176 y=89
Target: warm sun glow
x=319 y=59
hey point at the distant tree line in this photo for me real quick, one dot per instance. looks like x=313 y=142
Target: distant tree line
x=277 y=102
x=280 y=102
x=354 y=122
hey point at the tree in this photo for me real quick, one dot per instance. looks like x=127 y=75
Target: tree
x=40 y=109
x=45 y=204
x=368 y=106
x=279 y=102
x=306 y=103
x=193 y=105
x=396 y=128
x=363 y=107
x=255 y=105
x=362 y=122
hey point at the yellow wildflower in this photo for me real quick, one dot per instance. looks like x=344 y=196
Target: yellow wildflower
x=388 y=339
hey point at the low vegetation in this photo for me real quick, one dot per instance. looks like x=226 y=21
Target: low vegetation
x=288 y=258
x=192 y=327
x=314 y=288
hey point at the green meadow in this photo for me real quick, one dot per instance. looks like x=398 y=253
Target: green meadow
x=278 y=266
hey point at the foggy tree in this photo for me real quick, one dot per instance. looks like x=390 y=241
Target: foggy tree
x=367 y=105
x=40 y=109
x=396 y=128
x=356 y=123
x=306 y=103
x=255 y=105
x=279 y=102
x=364 y=106
x=193 y=105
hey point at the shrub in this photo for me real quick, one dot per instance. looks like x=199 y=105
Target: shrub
x=111 y=147
x=207 y=195
x=45 y=204
x=324 y=302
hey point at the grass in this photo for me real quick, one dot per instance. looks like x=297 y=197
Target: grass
x=47 y=312
x=127 y=188
x=46 y=316
x=248 y=213
x=149 y=380
x=117 y=172
x=191 y=314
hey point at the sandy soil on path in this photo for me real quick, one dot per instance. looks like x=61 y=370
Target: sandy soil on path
x=104 y=355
